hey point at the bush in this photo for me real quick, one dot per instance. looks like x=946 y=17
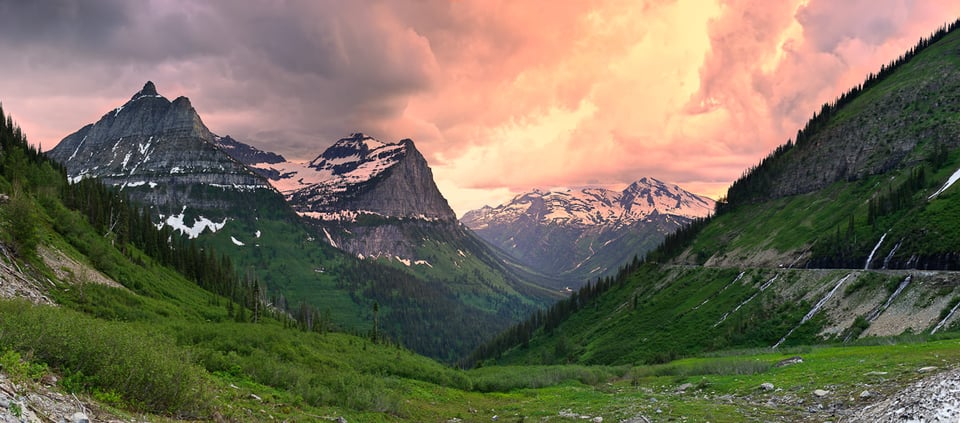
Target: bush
x=150 y=373
x=20 y=223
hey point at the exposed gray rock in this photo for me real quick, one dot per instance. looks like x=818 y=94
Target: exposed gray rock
x=935 y=398
x=361 y=174
x=766 y=386
x=789 y=361
x=157 y=151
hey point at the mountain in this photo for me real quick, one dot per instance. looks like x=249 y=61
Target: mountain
x=581 y=234
x=849 y=232
x=378 y=202
x=161 y=154
x=432 y=278
x=357 y=180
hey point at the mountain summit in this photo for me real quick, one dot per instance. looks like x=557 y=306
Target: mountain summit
x=355 y=182
x=161 y=154
x=361 y=175
x=586 y=232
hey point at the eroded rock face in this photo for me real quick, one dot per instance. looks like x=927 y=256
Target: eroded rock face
x=159 y=152
x=366 y=197
x=359 y=174
x=883 y=134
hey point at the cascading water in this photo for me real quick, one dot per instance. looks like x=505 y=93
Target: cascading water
x=762 y=288
x=886 y=260
x=875 y=247
x=740 y=276
x=816 y=308
x=875 y=314
x=945 y=319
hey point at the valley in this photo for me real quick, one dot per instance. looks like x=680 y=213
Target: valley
x=151 y=270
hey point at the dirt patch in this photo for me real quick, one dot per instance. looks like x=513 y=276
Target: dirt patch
x=71 y=271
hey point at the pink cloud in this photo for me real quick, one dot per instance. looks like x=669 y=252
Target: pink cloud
x=501 y=96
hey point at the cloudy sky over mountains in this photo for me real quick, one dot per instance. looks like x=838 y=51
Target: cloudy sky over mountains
x=501 y=96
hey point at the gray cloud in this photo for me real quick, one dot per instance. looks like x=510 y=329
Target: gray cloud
x=296 y=75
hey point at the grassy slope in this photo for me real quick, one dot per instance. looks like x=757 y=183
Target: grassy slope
x=656 y=315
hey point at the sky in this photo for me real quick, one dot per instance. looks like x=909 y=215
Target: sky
x=500 y=96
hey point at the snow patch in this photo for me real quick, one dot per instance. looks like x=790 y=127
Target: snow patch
x=257 y=234
x=330 y=240
x=237 y=242
x=192 y=231
x=78 y=149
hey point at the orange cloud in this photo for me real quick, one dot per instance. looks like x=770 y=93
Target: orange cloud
x=500 y=95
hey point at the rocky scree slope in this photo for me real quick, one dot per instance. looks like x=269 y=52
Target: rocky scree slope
x=578 y=234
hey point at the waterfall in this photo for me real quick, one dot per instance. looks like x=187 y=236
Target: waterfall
x=816 y=308
x=762 y=288
x=893 y=296
x=740 y=276
x=951 y=181
x=886 y=260
x=944 y=321
x=870 y=257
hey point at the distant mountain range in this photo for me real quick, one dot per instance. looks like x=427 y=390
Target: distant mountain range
x=576 y=234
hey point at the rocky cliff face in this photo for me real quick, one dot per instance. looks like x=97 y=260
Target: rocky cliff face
x=359 y=175
x=364 y=196
x=160 y=153
x=588 y=232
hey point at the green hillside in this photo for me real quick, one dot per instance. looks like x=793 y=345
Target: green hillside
x=748 y=277
x=146 y=326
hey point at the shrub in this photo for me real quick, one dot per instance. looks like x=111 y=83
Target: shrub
x=149 y=372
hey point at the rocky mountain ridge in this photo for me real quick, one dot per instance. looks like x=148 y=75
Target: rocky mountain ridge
x=587 y=232
x=160 y=153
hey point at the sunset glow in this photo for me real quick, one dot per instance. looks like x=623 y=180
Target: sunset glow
x=500 y=96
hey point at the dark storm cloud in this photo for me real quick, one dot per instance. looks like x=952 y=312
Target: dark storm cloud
x=78 y=23
x=293 y=74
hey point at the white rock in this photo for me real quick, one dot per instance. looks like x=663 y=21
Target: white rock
x=79 y=417
x=766 y=386
x=821 y=393
x=866 y=394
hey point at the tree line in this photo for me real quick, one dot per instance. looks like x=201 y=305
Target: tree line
x=549 y=319
x=756 y=182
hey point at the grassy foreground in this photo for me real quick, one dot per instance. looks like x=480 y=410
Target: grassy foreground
x=244 y=372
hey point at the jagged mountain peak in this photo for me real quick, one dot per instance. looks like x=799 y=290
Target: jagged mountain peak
x=158 y=148
x=148 y=90
x=354 y=149
x=360 y=174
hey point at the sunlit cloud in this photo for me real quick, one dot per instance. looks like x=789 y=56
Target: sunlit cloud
x=501 y=96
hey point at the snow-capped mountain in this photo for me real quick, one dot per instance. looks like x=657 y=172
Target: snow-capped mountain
x=161 y=154
x=360 y=175
x=591 y=207
x=586 y=232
